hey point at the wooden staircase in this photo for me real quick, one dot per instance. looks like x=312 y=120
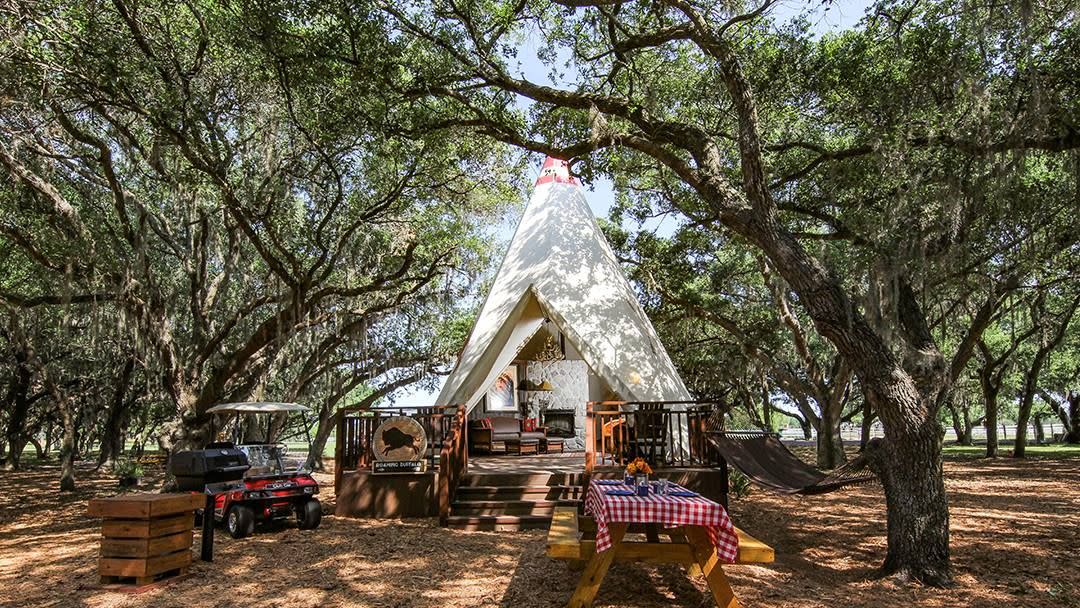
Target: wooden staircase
x=512 y=501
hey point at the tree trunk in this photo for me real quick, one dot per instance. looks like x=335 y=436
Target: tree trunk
x=830 y=446
x=1040 y=432
x=1072 y=430
x=13 y=459
x=954 y=418
x=1069 y=417
x=909 y=457
x=867 y=425
x=990 y=393
x=189 y=431
x=1031 y=377
x=917 y=513
x=807 y=429
x=18 y=399
x=112 y=435
x=809 y=420
x=69 y=444
x=318 y=442
x=991 y=428
x=253 y=430
x=39 y=452
x=766 y=408
x=49 y=435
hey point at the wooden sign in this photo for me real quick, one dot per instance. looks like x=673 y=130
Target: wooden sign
x=385 y=467
x=400 y=445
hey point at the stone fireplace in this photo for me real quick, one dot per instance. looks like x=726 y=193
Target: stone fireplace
x=566 y=403
x=560 y=423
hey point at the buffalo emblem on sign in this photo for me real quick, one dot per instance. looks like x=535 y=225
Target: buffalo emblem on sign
x=400 y=438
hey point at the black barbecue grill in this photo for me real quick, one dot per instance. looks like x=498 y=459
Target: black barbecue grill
x=217 y=463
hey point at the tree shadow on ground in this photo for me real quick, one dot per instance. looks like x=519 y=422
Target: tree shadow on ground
x=827 y=549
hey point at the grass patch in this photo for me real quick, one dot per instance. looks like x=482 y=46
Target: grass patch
x=1057 y=450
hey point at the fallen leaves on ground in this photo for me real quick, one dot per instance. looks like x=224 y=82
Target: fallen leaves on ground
x=1015 y=539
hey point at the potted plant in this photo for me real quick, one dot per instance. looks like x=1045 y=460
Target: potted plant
x=128 y=472
x=639 y=472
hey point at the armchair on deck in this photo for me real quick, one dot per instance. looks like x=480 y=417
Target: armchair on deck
x=650 y=432
x=613 y=439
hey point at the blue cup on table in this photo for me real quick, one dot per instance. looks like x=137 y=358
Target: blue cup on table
x=642 y=485
x=662 y=486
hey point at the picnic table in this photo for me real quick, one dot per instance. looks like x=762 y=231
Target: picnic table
x=700 y=536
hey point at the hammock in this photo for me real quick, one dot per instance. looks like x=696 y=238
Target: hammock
x=767 y=462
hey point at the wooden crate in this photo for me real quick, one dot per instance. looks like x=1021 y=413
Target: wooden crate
x=145 y=536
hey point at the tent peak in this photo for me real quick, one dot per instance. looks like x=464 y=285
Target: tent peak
x=556 y=170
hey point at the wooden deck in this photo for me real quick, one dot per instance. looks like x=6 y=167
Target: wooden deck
x=567 y=462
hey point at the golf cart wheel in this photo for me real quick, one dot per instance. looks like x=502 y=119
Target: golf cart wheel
x=309 y=514
x=240 y=521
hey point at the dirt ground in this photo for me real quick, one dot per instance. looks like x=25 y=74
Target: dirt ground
x=1015 y=541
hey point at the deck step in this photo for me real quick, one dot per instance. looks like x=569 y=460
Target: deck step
x=499 y=523
x=513 y=501
x=514 y=492
x=510 y=507
x=536 y=478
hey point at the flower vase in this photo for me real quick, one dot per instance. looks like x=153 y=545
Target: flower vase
x=642 y=485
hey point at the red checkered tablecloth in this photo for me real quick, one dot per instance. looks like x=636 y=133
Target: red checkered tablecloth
x=670 y=511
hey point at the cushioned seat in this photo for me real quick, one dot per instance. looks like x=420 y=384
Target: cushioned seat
x=497 y=432
x=523 y=445
x=551 y=445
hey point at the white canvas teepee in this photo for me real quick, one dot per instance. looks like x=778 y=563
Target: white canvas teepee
x=560 y=267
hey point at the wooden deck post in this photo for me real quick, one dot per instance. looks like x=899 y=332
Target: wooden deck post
x=590 y=439
x=339 y=450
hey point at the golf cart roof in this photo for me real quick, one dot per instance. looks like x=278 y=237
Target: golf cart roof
x=258 y=407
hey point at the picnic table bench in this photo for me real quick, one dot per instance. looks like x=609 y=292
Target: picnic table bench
x=573 y=537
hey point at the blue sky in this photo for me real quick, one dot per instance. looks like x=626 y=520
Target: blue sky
x=822 y=16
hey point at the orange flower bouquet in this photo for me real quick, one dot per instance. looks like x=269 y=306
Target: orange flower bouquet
x=638 y=467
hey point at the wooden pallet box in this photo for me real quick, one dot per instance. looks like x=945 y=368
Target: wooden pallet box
x=144 y=536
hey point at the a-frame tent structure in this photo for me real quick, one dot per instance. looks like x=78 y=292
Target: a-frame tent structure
x=560 y=268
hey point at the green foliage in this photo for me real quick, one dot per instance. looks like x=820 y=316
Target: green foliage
x=287 y=200
x=125 y=468
x=739 y=485
x=240 y=199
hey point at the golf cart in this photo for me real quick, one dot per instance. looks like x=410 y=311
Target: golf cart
x=250 y=481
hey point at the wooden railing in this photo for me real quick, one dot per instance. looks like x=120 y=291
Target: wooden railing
x=665 y=433
x=453 y=462
x=356 y=434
